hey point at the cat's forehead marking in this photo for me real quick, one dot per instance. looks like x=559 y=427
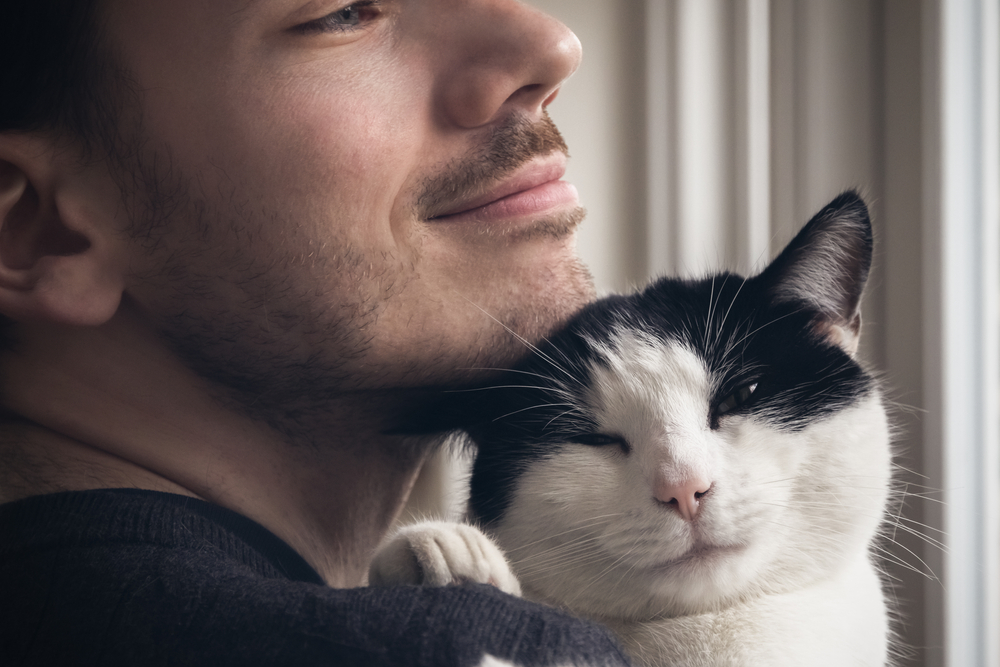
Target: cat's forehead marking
x=634 y=353
x=649 y=383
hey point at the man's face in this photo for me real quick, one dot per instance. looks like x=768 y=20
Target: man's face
x=330 y=196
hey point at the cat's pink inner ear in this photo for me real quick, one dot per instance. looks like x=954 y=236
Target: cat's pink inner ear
x=845 y=336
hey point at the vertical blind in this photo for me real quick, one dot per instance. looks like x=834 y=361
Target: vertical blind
x=706 y=132
x=760 y=111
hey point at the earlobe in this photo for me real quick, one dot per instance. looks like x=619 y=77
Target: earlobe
x=57 y=250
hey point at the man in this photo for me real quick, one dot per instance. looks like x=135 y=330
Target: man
x=238 y=238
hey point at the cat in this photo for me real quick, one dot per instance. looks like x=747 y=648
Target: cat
x=702 y=466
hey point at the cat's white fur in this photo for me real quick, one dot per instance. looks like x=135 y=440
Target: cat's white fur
x=775 y=568
x=441 y=553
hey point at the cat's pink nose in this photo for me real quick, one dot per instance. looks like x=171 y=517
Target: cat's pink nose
x=685 y=496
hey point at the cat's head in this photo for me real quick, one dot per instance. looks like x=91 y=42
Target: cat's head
x=701 y=441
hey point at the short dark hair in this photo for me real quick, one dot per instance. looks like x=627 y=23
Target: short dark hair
x=56 y=72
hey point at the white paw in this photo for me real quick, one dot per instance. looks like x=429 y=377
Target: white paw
x=440 y=553
x=490 y=661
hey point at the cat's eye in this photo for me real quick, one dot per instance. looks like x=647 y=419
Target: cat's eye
x=602 y=440
x=736 y=399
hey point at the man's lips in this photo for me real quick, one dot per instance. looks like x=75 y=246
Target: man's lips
x=531 y=190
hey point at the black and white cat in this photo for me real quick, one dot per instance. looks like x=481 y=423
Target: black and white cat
x=702 y=466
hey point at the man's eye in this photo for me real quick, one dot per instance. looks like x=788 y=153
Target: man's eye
x=351 y=17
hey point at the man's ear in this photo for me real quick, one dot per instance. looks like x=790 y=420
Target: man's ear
x=61 y=259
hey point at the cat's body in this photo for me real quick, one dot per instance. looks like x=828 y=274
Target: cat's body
x=702 y=466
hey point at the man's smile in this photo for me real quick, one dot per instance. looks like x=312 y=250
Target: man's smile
x=530 y=191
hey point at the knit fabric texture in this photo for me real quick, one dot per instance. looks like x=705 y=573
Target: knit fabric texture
x=130 y=577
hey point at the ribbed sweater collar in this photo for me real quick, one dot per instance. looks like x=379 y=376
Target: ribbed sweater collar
x=139 y=516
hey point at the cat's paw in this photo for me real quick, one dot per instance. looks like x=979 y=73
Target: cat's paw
x=439 y=553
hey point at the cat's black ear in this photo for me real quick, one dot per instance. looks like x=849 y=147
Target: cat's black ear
x=825 y=268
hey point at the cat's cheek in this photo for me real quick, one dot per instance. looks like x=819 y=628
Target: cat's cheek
x=839 y=496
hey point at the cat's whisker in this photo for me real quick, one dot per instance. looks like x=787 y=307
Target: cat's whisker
x=498 y=386
x=533 y=407
x=562 y=564
x=559 y=416
x=929 y=573
x=580 y=561
x=731 y=304
x=918 y=526
x=560 y=555
x=937 y=544
x=896 y=522
x=926 y=497
x=775 y=481
x=900 y=466
x=501 y=369
x=903 y=488
x=517 y=371
x=817 y=504
x=528 y=344
x=708 y=319
x=767 y=324
x=580 y=556
x=602 y=573
x=593 y=522
x=889 y=557
x=611 y=566
x=557 y=554
x=551 y=386
x=908 y=409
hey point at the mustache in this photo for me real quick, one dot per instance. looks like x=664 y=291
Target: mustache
x=509 y=146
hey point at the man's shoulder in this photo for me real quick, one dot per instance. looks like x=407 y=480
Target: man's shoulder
x=111 y=524
x=121 y=577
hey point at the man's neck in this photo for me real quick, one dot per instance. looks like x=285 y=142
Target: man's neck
x=88 y=410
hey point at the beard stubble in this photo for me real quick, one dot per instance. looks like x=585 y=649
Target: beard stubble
x=256 y=334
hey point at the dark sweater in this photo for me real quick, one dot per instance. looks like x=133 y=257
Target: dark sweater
x=127 y=577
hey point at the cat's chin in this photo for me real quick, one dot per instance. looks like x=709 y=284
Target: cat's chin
x=706 y=578
x=698 y=558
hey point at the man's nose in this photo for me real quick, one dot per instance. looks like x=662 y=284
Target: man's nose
x=508 y=57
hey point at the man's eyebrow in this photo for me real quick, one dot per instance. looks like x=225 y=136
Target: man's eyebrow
x=242 y=8
x=247 y=5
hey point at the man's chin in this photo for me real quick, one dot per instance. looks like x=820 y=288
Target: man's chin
x=567 y=288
